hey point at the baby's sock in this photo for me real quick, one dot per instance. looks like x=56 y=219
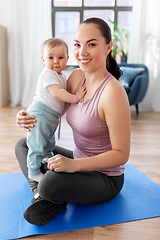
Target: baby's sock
x=37 y=177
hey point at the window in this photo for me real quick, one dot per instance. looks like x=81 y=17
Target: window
x=67 y=14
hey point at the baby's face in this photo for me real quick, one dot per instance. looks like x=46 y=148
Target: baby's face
x=55 y=58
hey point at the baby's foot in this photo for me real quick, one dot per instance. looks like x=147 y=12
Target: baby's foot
x=37 y=177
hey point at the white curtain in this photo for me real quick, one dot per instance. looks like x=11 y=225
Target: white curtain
x=145 y=48
x=30 y=26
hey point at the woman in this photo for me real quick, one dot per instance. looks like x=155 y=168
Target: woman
x=94 y=172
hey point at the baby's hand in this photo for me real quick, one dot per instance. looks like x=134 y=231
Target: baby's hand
x=81 y=92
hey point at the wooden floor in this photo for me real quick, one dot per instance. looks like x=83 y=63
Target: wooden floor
x=145 y=156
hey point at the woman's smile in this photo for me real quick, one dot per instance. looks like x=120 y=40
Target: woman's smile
x=84 y=61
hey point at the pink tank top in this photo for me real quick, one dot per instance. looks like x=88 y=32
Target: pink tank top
x=91 y=135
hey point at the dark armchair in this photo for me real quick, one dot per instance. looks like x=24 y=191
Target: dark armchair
x=135 y=81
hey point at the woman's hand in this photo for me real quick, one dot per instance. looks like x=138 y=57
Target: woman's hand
x=25 y=122
x=59 y=163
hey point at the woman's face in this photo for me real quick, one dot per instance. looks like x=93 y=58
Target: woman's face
x=90 y=48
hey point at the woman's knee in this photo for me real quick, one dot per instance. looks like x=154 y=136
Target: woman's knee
x=49 y=186
x=20 y=144
x=21 y=150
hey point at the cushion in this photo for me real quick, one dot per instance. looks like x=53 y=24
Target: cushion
x=129 y=74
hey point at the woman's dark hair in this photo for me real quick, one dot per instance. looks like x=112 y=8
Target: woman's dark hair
x=105 y=30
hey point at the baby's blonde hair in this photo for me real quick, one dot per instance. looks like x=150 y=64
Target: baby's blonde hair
x=53 y=42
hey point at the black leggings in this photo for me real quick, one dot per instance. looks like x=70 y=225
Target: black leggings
x=80 y=187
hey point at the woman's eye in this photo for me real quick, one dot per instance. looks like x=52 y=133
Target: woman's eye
x=92 y=44
x=77 y=45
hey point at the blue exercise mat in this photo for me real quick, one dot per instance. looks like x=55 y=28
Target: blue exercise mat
x=139 y=199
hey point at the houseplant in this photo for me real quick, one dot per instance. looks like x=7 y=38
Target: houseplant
x=120 y=40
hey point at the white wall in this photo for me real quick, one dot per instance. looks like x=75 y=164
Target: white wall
x=28 y=24
x=5 y=13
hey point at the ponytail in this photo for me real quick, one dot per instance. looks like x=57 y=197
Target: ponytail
x=113 y=67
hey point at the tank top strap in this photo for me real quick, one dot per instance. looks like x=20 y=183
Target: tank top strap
x=99 y=90
x=101 y=87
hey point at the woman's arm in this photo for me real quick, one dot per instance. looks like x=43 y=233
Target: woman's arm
x=72 y=84
x=114 y=109
x=73 y=80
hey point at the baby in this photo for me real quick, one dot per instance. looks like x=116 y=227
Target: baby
x=48 y=105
